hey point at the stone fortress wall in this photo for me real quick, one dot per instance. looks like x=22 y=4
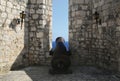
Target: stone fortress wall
x=91 y=43
x=96 y=44
x=29 y=44
x=40 y=31
x=12 y=36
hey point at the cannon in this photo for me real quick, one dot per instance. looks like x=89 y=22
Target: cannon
x=60 y=58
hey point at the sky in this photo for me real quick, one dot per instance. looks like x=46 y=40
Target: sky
x=60 y=19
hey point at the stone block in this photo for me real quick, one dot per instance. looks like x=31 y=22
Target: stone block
x=70 y=35
x=73 y=14
x=101 y=3
x=33 y=1
x=70 y=2
x=33 y=28
x=8 y=10
x=77 y=13
x=2 y=8
x=47 y=54
x=14 y=11
x=41 y=1
x=4 y=68
x=87 y=1
x=84 y=7
x=78 y=1
x=41 y=22
x=17 y=7
x=35 y=16
x=96 y=5
x=10 y=16
x=82 y=13
x=22 y=8
x=118 y=28
x=40 y=11
x=8 y=21
x=3 y=2
x=4 y=15
x=79 y=21
x=32 y=48
x=32 y=11
x=106 y=6
x=104 y=24
x=118 y=21
x=39 y=34
x=107 y=1
x=9 y=4
x=31 y=34
x=43 y=6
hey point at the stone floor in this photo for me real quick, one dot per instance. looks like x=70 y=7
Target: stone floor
x=41 y=74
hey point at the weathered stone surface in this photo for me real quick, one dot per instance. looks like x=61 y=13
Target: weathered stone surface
x=39 y=38
x=33 y=28
x=32 y=11
x=35 y=16
x=3 y=2
x=4 y=15
x=93 y=43
x=41 y=1
x=40 y=35
x=41 y=74
x=33 y=1
x=12 y=37
x=40 y=11
x=9 y=4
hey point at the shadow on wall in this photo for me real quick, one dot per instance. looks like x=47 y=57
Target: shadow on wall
x=14 y=23
x=21 y=29
x=21 y=60
x=24 y=58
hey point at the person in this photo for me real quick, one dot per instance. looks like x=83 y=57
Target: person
x=60 y=47
x=60 y=61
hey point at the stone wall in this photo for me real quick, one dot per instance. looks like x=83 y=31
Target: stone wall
x=12 y=37
x=40 y=36
x=30 y=43
x=91 y=43
x=95 y=43
x=80 y=32
x=108 y=33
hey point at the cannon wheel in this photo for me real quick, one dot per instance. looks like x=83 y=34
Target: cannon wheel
x=61 y=62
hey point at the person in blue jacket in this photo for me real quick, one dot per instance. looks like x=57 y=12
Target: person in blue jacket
x=60 y=47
